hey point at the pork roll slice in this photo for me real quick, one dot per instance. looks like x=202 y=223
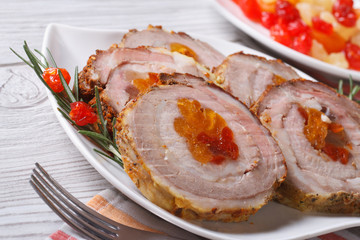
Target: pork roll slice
x=175 y=42
x=133 y=76
x=100 y=66
x=197 y=152
x=247 y=76
x=318 y=132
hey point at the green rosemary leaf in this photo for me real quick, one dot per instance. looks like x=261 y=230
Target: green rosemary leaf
x=51 y=58
x=43 y=56
x=351 y=86
x=354 y=91
x=66 y=116
x=64 y=105
x=114 y=130
x=33 y=60
x=115 y=159
x=76 y=84
x=66 y=87
x=119 y=161
x=115 y=151
x=38 y=60
x=340 y=87
x=95 y=135
x=19 y=56
x=36 y=67
x=100 y=114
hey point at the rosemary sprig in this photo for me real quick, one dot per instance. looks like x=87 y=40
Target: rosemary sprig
x=353 y=89
x=103 y=139
x=76 y=84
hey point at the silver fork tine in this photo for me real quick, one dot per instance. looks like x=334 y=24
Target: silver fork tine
x=84 y=211
x=39 y=189
x=69 y=215
x=81 y=217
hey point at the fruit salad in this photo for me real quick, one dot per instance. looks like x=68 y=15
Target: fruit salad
x=328 y=30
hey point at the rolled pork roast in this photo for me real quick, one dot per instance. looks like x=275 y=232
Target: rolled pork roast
x=175 y=42
x=247 y=76
x=122 y=73
x=196 y=151
x=318 y=131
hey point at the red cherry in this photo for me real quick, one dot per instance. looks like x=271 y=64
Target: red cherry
x=268 y=19
x=250 y=8
x=344 y=13
x=286 y=11
x=52 y=78
x=280 y=33
x=82 y=113
x=352 y=54
x=303 y=43
x=322 y=26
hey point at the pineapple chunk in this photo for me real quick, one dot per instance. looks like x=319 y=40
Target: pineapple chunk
x=355 y=39
x=337 y=59
x=318 y=51
x=327 y=17
x=308 y=11
x=324 y=4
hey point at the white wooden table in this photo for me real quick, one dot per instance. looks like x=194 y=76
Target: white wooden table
x=29 y=131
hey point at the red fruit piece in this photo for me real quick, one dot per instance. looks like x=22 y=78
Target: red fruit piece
x=250 y=8
x=286 y=11
x=344 y=13
x=322 y=26
x=268 y=19
x=303 y=42
x=82 y=113
x=52 y=78
x=280 y=33
x=332 y=43
x=297 y=27
x=352 y=54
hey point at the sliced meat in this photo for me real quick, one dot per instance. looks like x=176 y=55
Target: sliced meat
x=133 y=76
x=98 y=70
x=318 y=131
x=99 y=66
x=247 y=76
x=163 y=144
x=178 y=42
x=127 y=80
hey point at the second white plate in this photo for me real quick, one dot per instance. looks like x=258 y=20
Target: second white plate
x=233 y=13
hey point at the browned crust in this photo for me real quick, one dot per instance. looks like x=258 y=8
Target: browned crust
x=288 y=194
x=86 y=82
x=108 y=112
x=160 y=195
x=340 y=202
x=158 y=27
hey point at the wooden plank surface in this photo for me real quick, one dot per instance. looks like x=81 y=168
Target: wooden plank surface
x=29 y=131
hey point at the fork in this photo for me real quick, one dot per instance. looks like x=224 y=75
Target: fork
x=79 y=216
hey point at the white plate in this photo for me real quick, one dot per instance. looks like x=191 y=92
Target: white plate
x=233 y=13
x=72 y=46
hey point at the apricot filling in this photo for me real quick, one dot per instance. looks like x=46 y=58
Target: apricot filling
x=180 y=48
x=326 y=136
x=208 y=137
x=277 y=80
x=144 y=84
